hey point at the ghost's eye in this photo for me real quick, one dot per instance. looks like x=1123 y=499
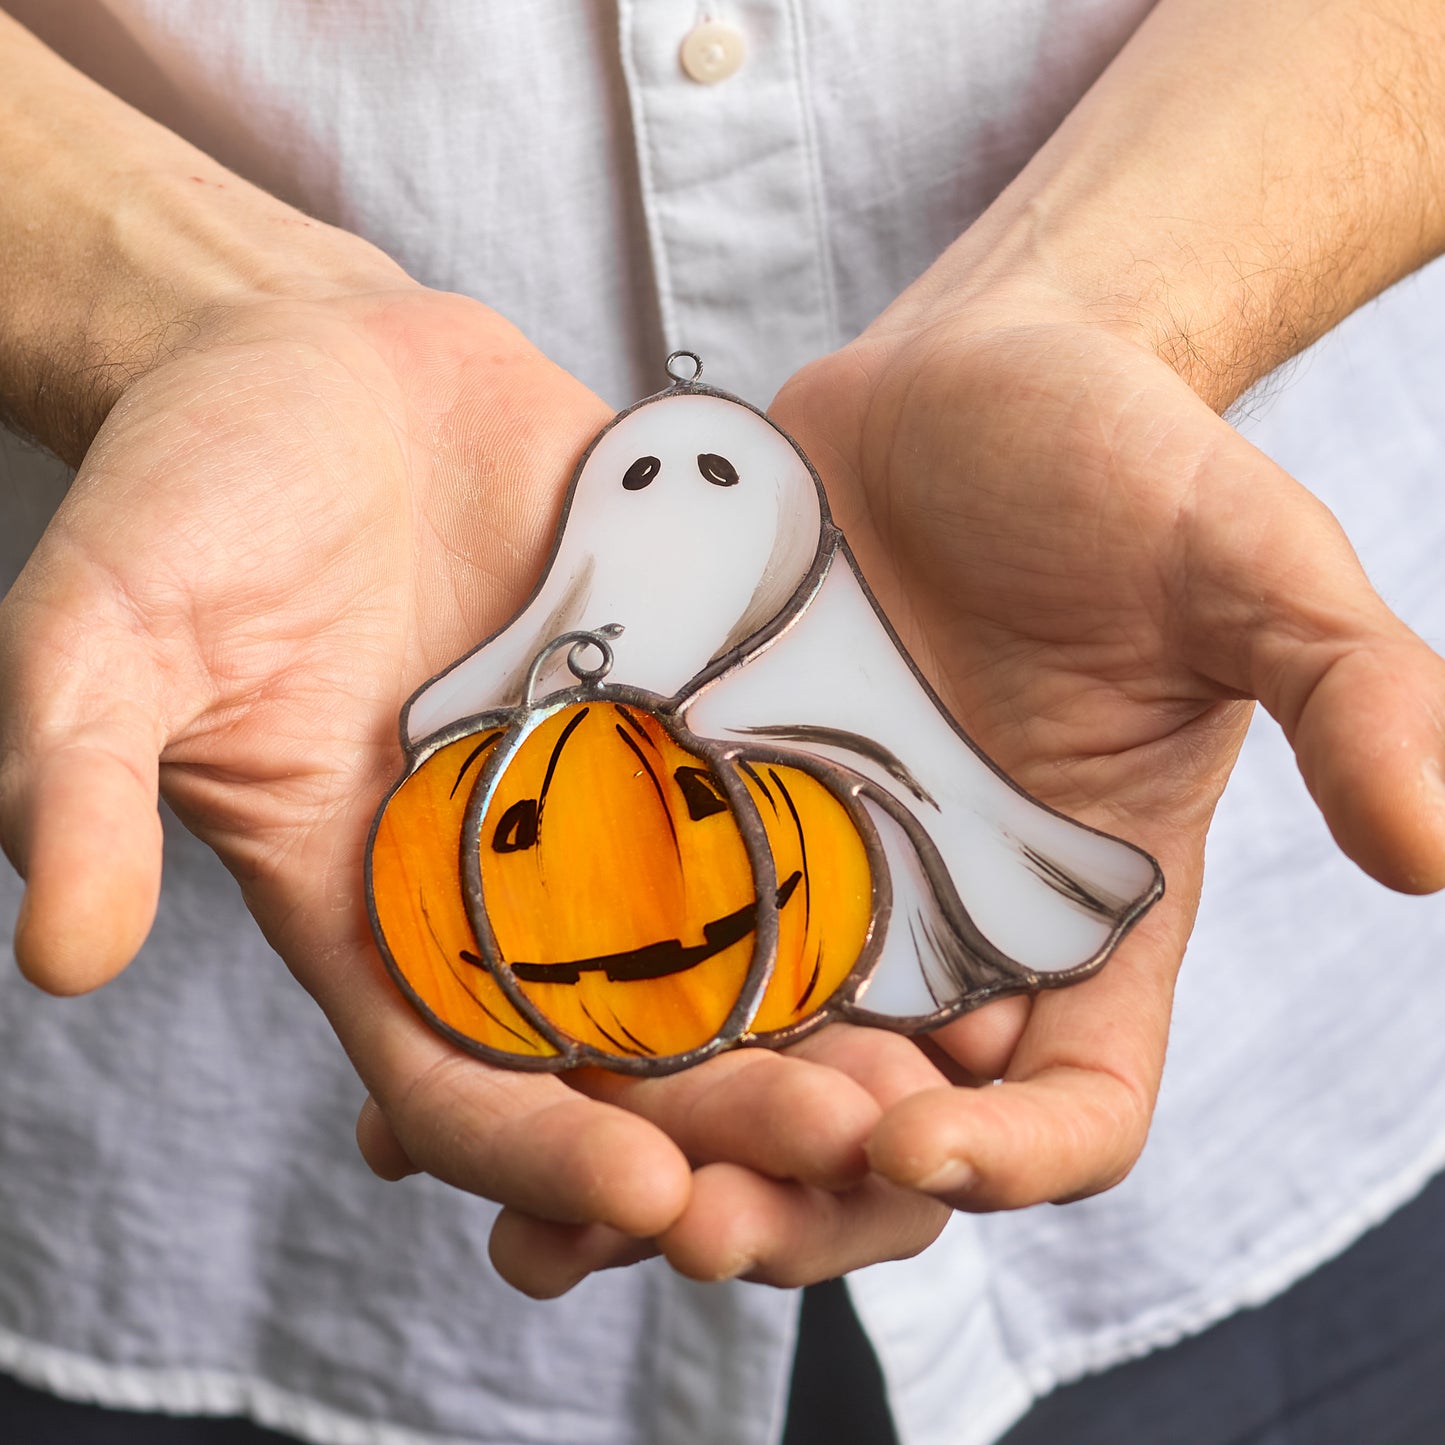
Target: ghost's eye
x=640 y=473
x=718 y=470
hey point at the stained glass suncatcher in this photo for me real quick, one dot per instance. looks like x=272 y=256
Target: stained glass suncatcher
x=696 y=794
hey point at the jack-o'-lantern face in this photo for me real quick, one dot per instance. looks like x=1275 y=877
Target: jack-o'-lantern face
x=623 y=899
x=616 y=884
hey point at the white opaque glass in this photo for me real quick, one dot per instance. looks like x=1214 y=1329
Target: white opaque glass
x=689 y=567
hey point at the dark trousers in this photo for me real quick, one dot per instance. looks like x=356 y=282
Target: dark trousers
x=1353 y=1355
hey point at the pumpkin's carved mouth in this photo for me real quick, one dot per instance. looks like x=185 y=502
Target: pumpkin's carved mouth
x=656 y=960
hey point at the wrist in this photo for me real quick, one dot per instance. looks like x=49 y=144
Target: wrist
x=1238 y=180
x=1222 y=318
x=123 y=244
x=153 y=264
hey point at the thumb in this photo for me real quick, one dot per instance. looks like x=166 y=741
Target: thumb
x=1368 y=738
x=78 y=795
x=1291 y=618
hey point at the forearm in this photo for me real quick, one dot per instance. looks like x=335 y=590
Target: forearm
x=1241 y=178
x=118 y=238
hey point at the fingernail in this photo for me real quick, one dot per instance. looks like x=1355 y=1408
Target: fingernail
x=738 y=1264
x=957 y=1176
x=1432 y=779
x=21 y=940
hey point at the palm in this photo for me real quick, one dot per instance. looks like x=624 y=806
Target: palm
x=1043 y=528
x=301 y=522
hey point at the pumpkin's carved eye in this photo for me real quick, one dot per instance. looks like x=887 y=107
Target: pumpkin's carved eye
x=699 y=793
x=640 y=473
x=718 y=470
x=516 y=829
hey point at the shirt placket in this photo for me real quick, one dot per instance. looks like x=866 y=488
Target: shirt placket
x=730 y=184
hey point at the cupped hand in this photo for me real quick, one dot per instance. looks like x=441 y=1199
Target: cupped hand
x=310 y=508
x=1099 y=575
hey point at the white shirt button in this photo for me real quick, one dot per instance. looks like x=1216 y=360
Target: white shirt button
x=713 y=51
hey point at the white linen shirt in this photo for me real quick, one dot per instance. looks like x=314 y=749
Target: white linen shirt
x=184 y=1223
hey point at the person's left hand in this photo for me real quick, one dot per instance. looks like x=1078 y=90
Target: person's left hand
x=1098 y=574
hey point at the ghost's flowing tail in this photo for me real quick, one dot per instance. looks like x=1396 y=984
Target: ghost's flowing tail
x=991 y=891
x=1054 y=918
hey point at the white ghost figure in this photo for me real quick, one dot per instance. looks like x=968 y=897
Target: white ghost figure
x=700 y=530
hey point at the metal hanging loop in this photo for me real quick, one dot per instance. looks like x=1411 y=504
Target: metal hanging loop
x=679 y=370
x=576 y=643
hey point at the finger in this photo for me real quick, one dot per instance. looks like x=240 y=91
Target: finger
x=1280 y=609
x=739 y=1224
x=544 y=1260
x=1065 y=1134
x=379 y=1146
x=78 y=792
x=889 y=1066
x=782 y=1116
x=530 y=1142
x=89 y=847
x=1370 y=739
x=983 y=1043
x=522 y=1139
x=1073 y=1110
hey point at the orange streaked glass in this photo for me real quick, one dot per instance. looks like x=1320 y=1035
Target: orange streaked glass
x=417 y=890
x=617 y=884
x=828 y=912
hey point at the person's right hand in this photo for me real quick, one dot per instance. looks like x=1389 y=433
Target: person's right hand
x=277 y=534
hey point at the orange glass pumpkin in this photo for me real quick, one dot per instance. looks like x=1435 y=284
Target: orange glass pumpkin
x=580 y=887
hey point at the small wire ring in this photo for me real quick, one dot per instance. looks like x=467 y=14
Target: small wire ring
x=579 y=670
x=675 y=372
